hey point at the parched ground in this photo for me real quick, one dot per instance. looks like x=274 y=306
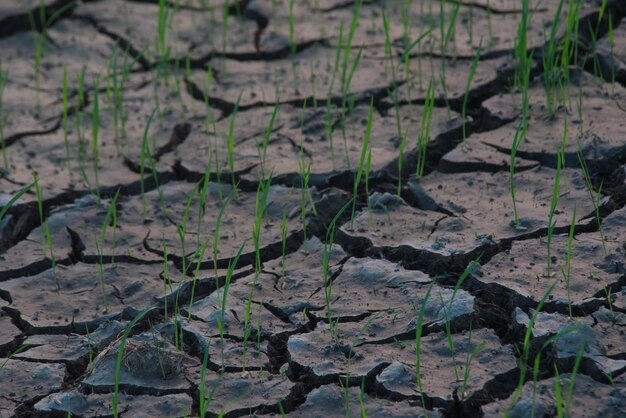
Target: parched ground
x=186 y=243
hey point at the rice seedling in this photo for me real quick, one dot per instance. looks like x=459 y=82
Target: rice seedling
x=120 y=357
x=418 y=342
x=259 y=212
x=283 y=240
x=181 y=230
x=468 y=270
x=560 y=165
x=142 y=163
x=568 y=261
x=521 y=47
x=78 y=120
x=64 y=120
x=216 y=231
x=470 y=77
x=15 y=198
x=229 y=275
x=331 y=229
x=365 y=148
x=333 y=77
x=208 y=82
x=95 y=126
x=266 y=138
x=46 y=229
x=551 y=72
x=424 y=131
x=110 y=219
x=4 y=76
x=595 y=196
x=520 y=134
x=471 y=355
x=611 y=38
x=204 y=400
x=231 y=143
x=525 y=352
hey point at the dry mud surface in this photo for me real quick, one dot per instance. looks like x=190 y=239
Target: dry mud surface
x=157 y=273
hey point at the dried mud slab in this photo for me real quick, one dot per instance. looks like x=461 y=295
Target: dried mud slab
x=523 y=268
x=96 y=405
x=595 y=123
x=328 y=400
x=150 y=365
x=73 y=296
x=22 y=381
x=189 y=28
x=307 y=136
x=588 y=398
x=245 y=393
x=465 y=212
x=71 y=349
x=473 y=155
x=393 y=363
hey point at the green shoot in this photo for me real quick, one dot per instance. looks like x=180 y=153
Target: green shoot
x=424 y=131
x=120 y=358
x=142 y=162
x=470 y=77
x=95 y=126
x=15 y=198
x=520 y=134
x=46 y=228
x=231 y=143
x=364 y=152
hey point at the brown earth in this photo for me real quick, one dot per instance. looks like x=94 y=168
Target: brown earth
x=139 y=289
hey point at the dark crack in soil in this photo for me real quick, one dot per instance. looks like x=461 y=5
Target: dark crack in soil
x=201 y=229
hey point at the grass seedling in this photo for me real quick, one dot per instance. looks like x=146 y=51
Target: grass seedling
x=611 y=37
x=468 y=270
x=520 y=134
x=424 y=131
x=470 y=77
x=266 y=139
x=110 y=219
x=229 y=275
x=164 y=17
x=95 y=126
x=4 y=73
x=46 y=229
x=81 y=103
x=551 y=72
x=595 y=196
x=471 y=354
x=418 y=342
x=560 y=165
x=203 y=400
x=568 y=262
x=208 y=82
x=15 y=198
x=64 y=121
x=526 y=346
x=216 y=232
x=231 y=143
x=293 y=45
x=283 y=236
x=329 y=113
x=260 y=207
x=120 y=357
x=326 y=253
x=40 y=32
x=181 y=229
x=142 y=162
x=365 y=148
x=521 y=47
